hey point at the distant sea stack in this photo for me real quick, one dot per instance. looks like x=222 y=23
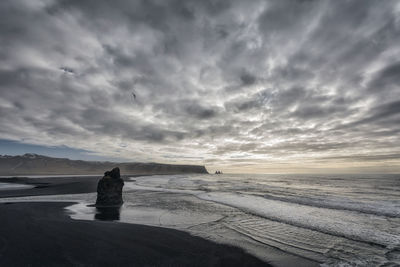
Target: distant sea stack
x=109 y=189
x=33 y=164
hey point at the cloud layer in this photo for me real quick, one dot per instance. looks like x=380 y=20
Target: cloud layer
x=240 y=85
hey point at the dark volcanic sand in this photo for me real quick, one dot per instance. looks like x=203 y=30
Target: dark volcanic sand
x=41 y=234
x=51 y=185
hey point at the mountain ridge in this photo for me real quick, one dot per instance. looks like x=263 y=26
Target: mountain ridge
x=34 y=164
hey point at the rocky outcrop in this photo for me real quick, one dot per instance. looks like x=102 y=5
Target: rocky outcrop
x=109 y=189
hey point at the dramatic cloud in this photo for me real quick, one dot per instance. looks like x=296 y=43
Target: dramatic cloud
x=237 y=85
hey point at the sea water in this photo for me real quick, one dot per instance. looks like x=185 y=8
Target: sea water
x=333 y=219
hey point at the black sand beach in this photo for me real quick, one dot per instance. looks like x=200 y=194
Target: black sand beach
x=51 y=185
x=42 y=234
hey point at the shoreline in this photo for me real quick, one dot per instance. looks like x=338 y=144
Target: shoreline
x=81 y=185
x=42 y=234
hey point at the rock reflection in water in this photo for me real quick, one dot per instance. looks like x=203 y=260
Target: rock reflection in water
x=107 y=213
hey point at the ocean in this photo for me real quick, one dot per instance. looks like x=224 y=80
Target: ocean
x=337 y=220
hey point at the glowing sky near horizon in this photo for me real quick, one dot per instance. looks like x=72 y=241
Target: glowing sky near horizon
x=242 y=86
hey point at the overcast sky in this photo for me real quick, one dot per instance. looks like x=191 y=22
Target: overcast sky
x=244 y=86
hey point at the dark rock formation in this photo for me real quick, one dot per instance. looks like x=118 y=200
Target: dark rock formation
x=107 y=213
x=109 y=189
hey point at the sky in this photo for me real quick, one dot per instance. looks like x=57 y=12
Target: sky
x=241 y=86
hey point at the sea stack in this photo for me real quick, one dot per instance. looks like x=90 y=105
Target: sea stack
x=109 y=189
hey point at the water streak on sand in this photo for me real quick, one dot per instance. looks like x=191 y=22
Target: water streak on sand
x=12 y=186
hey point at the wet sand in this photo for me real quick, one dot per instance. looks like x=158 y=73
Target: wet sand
x=41 y=234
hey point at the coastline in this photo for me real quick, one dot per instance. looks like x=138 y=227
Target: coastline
x=69 y=186
x=42 y=234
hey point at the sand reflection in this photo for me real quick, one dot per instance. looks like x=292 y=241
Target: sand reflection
x=107 y=213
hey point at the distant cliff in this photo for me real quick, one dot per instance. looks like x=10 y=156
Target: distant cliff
x=32 y=164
